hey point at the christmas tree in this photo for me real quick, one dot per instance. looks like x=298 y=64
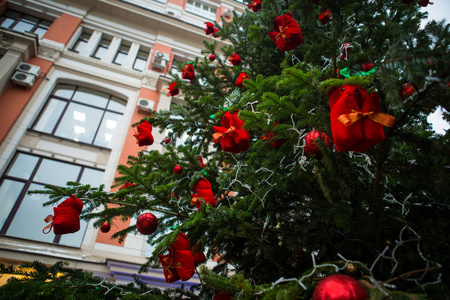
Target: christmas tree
x=308 y=154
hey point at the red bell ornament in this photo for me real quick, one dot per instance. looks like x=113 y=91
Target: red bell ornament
x=203 y=191
x=356 y=119
x=177 y=170
x=241 y=79
x=311 y=147
x=254 y=5
x=66 y=218
x=340 y=287
x=324 y=16
x=232 y=137
x=147 y=223
x=143 y=134
x=287 y=35
x=234 y=59
x=106 y=227
x=188 y=72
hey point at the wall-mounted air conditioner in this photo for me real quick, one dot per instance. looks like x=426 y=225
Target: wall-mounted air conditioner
x=29 y=69
x=160 y=60
x=145 y=104
x=228 y=14
x=23 y=79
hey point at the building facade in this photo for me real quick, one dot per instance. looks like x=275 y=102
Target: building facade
x=74 y=76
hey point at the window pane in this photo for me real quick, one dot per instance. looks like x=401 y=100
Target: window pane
x=92 y=177
x=23 y=166
x=79 y=46
x=91 y=97
x=56 y=172
x=120 y=58
x=7 y=22
x=9 y=191
x=74 y=239
x=49 y=116
x=23 y=26
x=107 y=128
x=139 y=64
x=29 y=219
x=101 y=52
x=40 y=32
x=45 y=24
x=116 y=104
x=64 y=91
x=79 y=123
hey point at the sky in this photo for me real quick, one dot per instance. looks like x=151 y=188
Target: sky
x=439 y=11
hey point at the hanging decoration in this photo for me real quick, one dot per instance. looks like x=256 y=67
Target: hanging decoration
x=143 y=134
x=287 y=35
x=177 y=170
x=233 y=138
x=147 y=223
x=367 y=67
x=356 y=120
x=407 y=90
x=234 y=59
x=167 y=140
x=173 y=89
x=324 y=16
x=254 y=5
x=211 y=57
x=188 y=72
x=203 y=191
x=275 y=143
x=311 y=147
x=66 y=218
x=241 y=79
x=210 y=29
x=106 y=227
x=345 y=51
x=424 y=3
x=340 y=287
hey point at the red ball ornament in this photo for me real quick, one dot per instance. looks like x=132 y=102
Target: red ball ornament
x=178 y=170
x=340 y=287
x=211 y=57
x=147 y=223
x=167 y=140
x=311 y=147
x=367 y=67
x=106 y=227
x=406 y=91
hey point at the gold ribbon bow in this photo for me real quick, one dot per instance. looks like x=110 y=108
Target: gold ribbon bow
x=378 y=117
x=282 y=34
x=194 y=201
x=170 y=266
x=47 y=219
x=218 y=135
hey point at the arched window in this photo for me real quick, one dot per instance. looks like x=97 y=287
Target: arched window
x=81 y=114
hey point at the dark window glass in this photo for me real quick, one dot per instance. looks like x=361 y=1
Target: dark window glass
x=81 y=114
x=23 y=22
x=81 y=42
x=30 y=172
x=141 y=61
x=102 y=48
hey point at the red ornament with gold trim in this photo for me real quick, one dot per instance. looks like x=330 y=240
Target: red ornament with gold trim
x=254 y=5
x=147 y=223
x=188 y=72
x=340 y=287
x=287 y=35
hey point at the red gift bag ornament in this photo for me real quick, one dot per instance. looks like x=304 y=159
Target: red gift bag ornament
x=173 y=89
x=241 y=79
x=210 y=29
x=188 y=72
x=356 y=120
x=324 y=17
x=234 y=59
x=254 y=5
x=424 y=3
x=232 y=137
x=143 y=134
x=287 y=34
x=203 y=191
x=66 y=218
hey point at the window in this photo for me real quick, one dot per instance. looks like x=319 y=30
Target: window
x=22 y=215
x=201 y=9
x=81 y=114
x=81 y=42
x=22 y=22
x=121 y=54
x=141 y=60
x=102 y=48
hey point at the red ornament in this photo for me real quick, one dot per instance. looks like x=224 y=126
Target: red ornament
x=203 y=192
x=222 y=296
x=167 y=140
x=173 y=89
x=211 y=57
x=188 y=73
x=232 y=137
x=287 y=34
x=345 y=51
x=178 y=170
x=210 y=29
x=424 y=3
x=200 y=161
x=340 y=287
x=241 y=79
x=324 y=17
x=147 y=223
x=407 y=1
x=367 y=67
x=254 y=5
x=311 y=147
x=199 y=256
x=106 y=227
x=126 y=185
x=277 y=143
x=234 y=59
x=356 y=119
x=407 y=90
x=66 y=218
x=143 y=134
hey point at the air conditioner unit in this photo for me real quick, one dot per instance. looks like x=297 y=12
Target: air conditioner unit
x=228 y=14
x=160 y=60
x=30 y=69
x=145 y=104
x=23 y=79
